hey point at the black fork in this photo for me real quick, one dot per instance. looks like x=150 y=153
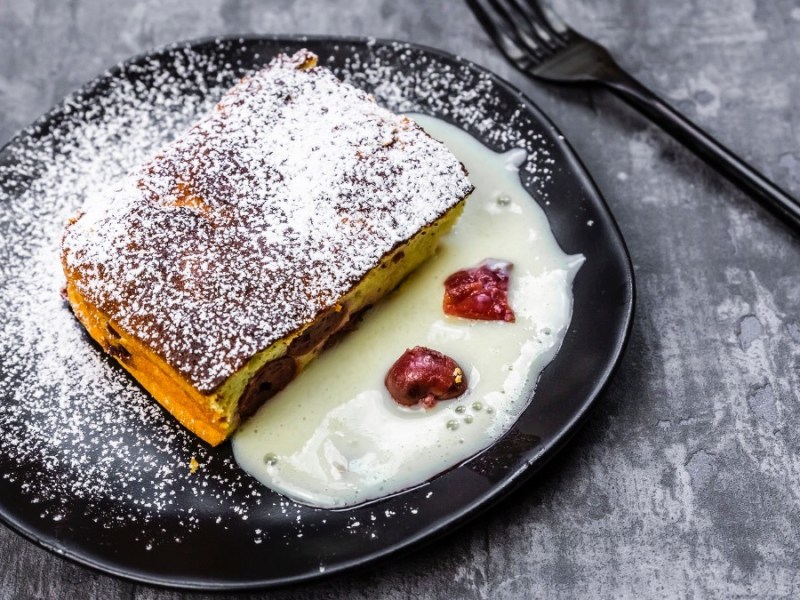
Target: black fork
x=535 y=39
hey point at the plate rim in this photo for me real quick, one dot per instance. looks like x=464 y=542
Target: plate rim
x=479 y=505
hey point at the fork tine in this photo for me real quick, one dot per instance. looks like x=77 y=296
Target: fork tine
x=502 y=33
x=540 y=26
x=524 y=35
x=553 y=19
x=535 y=37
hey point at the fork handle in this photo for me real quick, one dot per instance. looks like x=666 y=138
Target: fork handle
x=748 y=179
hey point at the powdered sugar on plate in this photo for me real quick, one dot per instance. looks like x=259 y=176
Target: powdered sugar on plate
x=78 y=437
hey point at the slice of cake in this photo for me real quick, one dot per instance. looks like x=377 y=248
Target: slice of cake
x=220 y=268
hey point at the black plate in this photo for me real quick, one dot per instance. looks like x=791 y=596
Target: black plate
x=83 y=474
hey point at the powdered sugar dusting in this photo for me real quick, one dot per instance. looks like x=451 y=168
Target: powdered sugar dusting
x=78 y=437
x=415 y=82
x=259 y=218
x=74 y=426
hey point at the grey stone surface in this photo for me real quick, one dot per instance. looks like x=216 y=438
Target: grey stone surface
x=685 y=482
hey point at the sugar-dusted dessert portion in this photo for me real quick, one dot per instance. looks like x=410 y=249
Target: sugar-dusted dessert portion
x=218 y=269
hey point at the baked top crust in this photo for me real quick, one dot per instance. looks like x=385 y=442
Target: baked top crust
x=258 y=218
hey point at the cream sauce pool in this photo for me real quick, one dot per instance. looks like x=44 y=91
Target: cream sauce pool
x=334 y=437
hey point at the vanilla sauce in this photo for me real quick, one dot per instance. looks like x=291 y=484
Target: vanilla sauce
x=334 y=437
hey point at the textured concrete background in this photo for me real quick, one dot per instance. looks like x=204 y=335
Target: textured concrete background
x=686 y=480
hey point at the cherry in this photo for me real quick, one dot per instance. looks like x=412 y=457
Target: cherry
x=424 y=376
x=480 y=292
